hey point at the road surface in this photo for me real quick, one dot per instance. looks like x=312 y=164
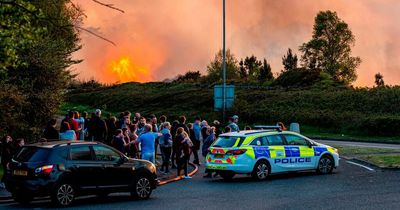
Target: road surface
x=349 y=187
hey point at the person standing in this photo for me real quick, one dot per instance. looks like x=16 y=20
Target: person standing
x=7 y=152
x=73 y=125
x=195 y=131
x=50 y=132
x=133 y=147
x=140 y=126
x=19 y=143
x=206 y=144
x=81 y=126
x=163 y=119
x=184 y=145
x=165 y=142
x=111 y=128
x=233 y=123
x=154 y=128
x=118 y=141
x=147 y=141
x=173 y=134
x=99 y=127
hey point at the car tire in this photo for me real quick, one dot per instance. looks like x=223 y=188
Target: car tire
x=22 y=198
x=141 y=188
x=325 y=165
x=63 y=195
x=261 y=170
x=227 y=175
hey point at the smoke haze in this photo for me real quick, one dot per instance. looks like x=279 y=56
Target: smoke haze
x=159 y=39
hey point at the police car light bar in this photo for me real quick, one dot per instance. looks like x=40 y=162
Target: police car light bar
x=268 y=127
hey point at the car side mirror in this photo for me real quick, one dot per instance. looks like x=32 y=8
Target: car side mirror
x=122 y=160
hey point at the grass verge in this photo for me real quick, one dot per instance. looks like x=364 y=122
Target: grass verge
x=351 y=151
x=384 y=158
x=386 y=161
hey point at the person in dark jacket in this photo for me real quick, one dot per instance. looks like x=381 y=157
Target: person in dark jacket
x=184 y=145
x=173 y=134
x=206 y=144
x=50 y=132
x=196 y=144
x=7 y=152
x=118 y=141
x=99 y=127
x=111 y=128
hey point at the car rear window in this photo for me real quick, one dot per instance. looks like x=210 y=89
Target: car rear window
x=228 y=141
x=32 y=154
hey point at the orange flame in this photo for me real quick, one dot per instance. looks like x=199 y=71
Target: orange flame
x=126 y=71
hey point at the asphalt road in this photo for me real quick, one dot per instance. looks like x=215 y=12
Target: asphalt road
x=349 y=187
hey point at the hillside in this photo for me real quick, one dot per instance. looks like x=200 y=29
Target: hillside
x=373 y=111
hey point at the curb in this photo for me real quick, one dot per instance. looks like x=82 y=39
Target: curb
x=9 y=199
x=196 y=168
x=369 y=164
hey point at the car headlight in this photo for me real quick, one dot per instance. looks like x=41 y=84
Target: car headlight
x=152 y=168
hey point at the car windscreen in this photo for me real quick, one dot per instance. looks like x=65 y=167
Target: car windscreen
x=228 y=141
x=32 y=154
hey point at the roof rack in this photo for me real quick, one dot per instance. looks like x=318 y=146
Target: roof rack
x=268 y=127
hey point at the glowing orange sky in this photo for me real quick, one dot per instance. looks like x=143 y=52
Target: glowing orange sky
x=163 y=38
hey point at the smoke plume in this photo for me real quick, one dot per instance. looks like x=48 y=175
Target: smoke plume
x=159 y=39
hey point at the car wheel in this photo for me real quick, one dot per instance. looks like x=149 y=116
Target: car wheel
x=227 y=175
x=261 y=170
x=325 y=165
x=141 y=188
x=63 y=195
x=22 y=198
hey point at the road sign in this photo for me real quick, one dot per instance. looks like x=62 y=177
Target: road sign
x=219 y=96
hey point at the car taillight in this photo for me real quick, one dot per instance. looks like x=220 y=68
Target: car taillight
x=236 y=152
x=44 y=169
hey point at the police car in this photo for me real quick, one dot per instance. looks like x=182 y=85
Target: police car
x=268 y=151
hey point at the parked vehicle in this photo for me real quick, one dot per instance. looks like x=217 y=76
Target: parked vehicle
x=264 y=152
x=64 y=170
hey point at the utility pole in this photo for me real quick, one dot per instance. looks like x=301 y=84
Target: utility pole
x=223 y=63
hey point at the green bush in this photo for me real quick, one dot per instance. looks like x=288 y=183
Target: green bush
x=361 y=110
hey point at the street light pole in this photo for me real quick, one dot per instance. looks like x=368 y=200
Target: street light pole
x=223 y=62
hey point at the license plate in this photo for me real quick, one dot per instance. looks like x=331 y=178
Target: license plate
x=217 y=167
x=218 y=156
x=20 y=173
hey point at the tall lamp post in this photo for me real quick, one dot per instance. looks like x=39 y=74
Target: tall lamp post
x=223 y=62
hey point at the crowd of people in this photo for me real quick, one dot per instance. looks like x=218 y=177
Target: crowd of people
x=136 y=136
x=144 y=138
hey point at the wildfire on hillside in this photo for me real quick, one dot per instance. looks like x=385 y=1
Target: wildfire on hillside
x=126 y=70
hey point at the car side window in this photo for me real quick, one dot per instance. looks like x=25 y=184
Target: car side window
x=105 y=154
x=80 y=153
x=295 y=140
x=260 y=141
x=274 y=140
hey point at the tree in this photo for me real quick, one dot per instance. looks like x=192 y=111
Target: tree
x=242 y=70
x=330 y=48
x=190 y=76
x=39 y=75
x=214 y=69
x=379 y=80
x=289 y=61
x=265 y=72
x=252 y=66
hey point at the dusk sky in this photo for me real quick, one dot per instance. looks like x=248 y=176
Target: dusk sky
x=158 y=39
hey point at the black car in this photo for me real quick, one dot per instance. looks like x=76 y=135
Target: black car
x=64 y=170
